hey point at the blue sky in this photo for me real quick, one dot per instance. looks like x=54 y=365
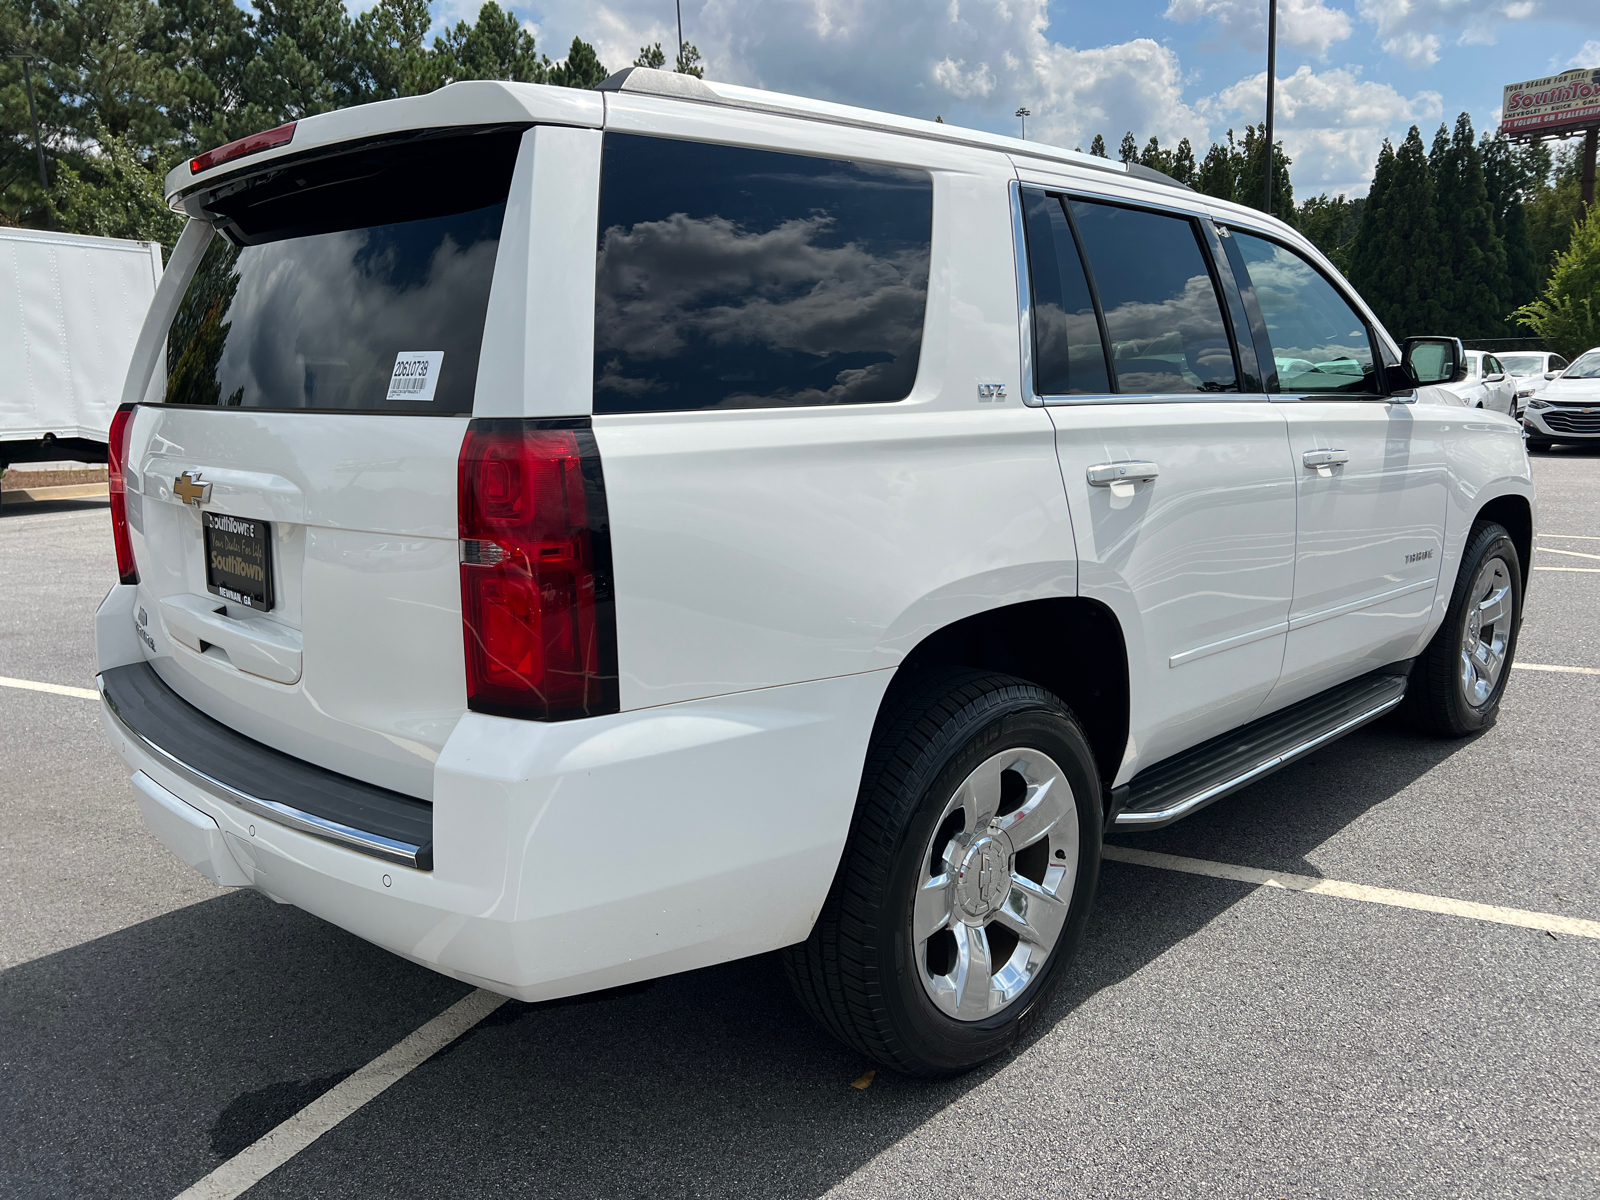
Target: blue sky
x=1350 y=72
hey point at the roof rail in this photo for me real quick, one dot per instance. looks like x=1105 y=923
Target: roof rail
x=672 y=86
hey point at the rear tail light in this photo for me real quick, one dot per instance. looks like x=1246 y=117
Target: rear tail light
x=116 y=466
x=536 y=603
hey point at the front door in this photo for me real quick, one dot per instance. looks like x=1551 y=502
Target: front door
x=1179 y=482
x=1370 y=480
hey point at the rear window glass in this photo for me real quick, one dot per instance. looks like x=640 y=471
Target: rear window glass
x=1068 y=355
x=354 y=282
x=736 y=278
x=1162 y=315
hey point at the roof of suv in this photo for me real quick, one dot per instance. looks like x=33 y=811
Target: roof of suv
x=481 y=102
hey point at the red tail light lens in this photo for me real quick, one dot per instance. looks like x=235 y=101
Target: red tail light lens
x=536 y=604
x=116 y=462
x=253 y=144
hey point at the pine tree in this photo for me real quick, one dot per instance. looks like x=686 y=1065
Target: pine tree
x=689 y=61
x=1329 y=222
x=1567 y=315
x=1250 y=171
x=582 y=67
x=1217 y=175
x=1506 y=178
x=1394 y=258
x=1156 y=158
x=1129 y=150
x=653 y=57
x=1184 y=169
x=495 y=47
x=1473 y=252
x=1098 y=146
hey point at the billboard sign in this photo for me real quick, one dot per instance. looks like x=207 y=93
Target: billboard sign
x=1552 y=105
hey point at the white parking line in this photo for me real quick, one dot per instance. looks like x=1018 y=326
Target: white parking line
x=1571 y=537
x=1516 y=666
x=1573 y=553
x=1579 y=570
x=59 y=689
x=1549 y=922
x=259 y=1159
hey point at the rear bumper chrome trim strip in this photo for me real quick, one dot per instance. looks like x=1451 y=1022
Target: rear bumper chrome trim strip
x=390 y=850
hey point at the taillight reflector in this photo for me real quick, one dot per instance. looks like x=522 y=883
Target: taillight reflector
x=536 y=606
x=116 y=465
x=253 y=144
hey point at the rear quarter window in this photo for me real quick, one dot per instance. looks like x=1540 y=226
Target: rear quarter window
x=358 y=281
x=729 y=277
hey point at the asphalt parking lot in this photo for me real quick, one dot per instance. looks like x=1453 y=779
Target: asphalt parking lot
x=1217 y=1038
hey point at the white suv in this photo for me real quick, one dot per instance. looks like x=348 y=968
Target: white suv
x=571 y=537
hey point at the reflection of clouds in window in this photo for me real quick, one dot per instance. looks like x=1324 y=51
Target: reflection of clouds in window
x=1161 y=309
x=325 y=321
x=666 y=285
x=1073 y=338
x=1318 y=341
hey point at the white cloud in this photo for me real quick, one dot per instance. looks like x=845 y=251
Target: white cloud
x=1308 y=24
x=1588 y=55
x=971 y=61
x=1474 y=22
x=949 y=74
x=1331 y=123
x=1414 y=49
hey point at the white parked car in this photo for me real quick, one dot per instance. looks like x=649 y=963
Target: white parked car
x=1487 y=384
x=1530 y=371
x=573 y=537
x=1567 y=409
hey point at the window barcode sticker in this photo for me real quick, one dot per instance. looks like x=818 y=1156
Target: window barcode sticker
x=416 y=374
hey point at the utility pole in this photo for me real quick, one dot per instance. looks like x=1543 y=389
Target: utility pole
x=1272 y=72
x=38 y=146
x=679 y=5
x=1024 y=113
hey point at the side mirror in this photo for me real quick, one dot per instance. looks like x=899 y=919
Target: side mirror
x=1495 y=378
x=1551 y=374
x=1434 y=359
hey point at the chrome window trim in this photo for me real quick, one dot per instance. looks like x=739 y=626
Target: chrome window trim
x=401 y=853
x=1025 y=317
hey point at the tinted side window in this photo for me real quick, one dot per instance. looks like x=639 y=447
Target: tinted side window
x=1492 y=365
x=1162 y=314
x=1319 y=342
x=1068 y=355
x=1557 y=363
x=737 y=278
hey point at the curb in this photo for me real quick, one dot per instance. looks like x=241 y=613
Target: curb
x=70 y=491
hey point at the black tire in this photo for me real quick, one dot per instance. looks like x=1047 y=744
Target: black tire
x=1539 y=445
x=1437 y=700
x=859 y=973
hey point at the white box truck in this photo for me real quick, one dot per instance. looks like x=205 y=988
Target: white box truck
x=70 y=312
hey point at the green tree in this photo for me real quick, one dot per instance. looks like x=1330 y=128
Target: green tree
x=1330 y=223
x=651 y=56
x=1098 y=146
x=689 y=61
x=1471 y=249
x=1506 y=178
x=1217 y=174
x=581 y=68
x=496 y=46
x=1129 y=150
x=116 y=194
x=1567 y=314
x=1155 y=157
x=1395 y=256
x=1249 y=159
x=1551 y=207
x=1184 y=169
x=397 y=59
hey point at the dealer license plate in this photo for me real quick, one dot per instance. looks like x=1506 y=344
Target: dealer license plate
x=239 y=559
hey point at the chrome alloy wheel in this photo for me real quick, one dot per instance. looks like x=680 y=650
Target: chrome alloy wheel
x=996 y=883
x=1490 y=613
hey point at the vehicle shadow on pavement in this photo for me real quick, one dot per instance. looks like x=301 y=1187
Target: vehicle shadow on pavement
x=141 y=1060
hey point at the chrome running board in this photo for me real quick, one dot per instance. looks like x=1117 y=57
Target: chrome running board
x=1187 y=782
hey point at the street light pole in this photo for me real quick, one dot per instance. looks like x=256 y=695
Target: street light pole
x=679 y=5
x=1024 y=113
x=1272 y=72
x=38 y=146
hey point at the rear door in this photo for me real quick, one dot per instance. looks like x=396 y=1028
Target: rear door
x=1370 y=470
x=1176 y=465
x=294 y=492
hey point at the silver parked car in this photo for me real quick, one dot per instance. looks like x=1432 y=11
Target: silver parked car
x=1531 y=370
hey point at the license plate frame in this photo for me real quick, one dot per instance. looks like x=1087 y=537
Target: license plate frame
x=237 y=551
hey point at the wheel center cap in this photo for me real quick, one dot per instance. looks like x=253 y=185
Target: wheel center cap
x=983 y=878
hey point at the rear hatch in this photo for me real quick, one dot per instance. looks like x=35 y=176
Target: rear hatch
x=293 y=500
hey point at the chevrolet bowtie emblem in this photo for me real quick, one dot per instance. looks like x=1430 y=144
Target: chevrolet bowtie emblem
x=188 y=488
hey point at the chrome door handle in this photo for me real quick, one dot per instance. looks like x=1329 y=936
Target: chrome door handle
x=1324 y=458
x=1105 y=474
